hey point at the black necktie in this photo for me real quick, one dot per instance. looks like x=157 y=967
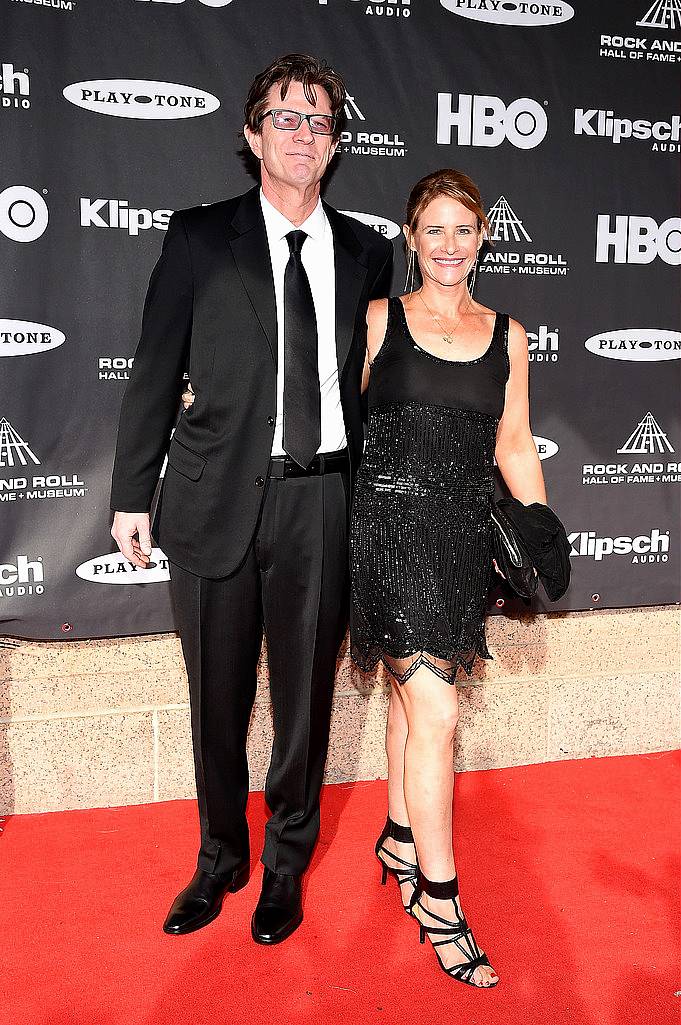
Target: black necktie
x=302 y=400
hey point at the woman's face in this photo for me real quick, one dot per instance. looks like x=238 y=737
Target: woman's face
x=446 y=241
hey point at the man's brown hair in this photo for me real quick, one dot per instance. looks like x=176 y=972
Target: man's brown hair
x=295 y=67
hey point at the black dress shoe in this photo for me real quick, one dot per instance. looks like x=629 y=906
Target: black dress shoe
x=201 y=901
x=279 y=911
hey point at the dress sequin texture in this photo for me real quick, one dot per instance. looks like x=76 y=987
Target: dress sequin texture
x=420 y=538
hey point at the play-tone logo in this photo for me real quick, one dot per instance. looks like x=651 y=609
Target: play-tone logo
x=23 y=213
x=380 y=224
x=24 y=338
x=637 y=239
x=502 y=12
x=636 y=344
x=545 y=447
x=115 y=569
x=489 y=121
x=15 y=87
x=135 y=98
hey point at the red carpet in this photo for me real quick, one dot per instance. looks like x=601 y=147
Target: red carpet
x=569 y=875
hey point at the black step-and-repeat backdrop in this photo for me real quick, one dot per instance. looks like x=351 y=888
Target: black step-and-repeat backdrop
x=114 y=114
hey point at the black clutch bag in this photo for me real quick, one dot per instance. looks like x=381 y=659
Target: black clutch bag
x=510 y=554
x=530 y=545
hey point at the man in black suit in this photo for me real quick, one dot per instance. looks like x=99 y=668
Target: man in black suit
x=263 y=298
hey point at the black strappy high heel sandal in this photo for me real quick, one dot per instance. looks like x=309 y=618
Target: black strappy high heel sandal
x=404 y=871
x=457 y=932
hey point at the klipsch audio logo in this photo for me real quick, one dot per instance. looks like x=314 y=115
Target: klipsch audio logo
x=603 y=123
x=15 y=87
x=636 y=344
x=488 y=121
x=22 y=578
x=648 y=441
x=622 y=239
x=16 y=455
x=662 y=15
x=501 y=12
x=115 y=569
x=24 y=338
x=517 y=257
x=388 y=9
x=361 y=139
x=135 y=98
x=542 y=345
x=116 y=213
x=652 y=547
x=23 y=213
x=380 y=224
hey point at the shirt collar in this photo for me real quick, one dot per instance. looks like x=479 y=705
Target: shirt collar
x=278 y=226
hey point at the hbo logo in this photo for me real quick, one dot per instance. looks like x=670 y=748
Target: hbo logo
x=487 y=121
x=638 y=240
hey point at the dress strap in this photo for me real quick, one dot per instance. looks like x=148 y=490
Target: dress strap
x=501 y=335
x=393 y=314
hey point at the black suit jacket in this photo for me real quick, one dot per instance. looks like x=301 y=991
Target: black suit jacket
x=210 y=308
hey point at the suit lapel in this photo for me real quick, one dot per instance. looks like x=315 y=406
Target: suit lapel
x=350 y=272
x=248 y=241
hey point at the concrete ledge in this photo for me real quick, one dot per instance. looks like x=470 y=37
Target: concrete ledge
x=106 y=722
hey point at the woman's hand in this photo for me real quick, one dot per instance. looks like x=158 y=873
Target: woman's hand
x=188 y=396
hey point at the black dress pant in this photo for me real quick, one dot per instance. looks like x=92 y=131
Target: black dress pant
x=294 y=585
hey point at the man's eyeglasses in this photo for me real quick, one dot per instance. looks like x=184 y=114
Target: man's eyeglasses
x=290 y=120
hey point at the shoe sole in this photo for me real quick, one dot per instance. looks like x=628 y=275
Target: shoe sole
x=234 y=887
x=291 y=928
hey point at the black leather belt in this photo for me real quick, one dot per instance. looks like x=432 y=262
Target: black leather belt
x=282 y=467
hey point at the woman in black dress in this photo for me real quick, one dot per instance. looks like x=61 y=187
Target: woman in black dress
x=447 y=393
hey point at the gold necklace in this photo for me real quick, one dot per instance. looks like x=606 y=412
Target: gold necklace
x=447 y=336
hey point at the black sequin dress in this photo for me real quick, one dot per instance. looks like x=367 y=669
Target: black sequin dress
x=420 y=538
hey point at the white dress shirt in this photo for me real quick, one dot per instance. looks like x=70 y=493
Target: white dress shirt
x=317 y=258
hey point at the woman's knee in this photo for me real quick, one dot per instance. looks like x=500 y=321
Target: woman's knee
x=435 y=716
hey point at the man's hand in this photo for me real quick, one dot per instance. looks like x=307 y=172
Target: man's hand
x=188 y=396
x=136 y=549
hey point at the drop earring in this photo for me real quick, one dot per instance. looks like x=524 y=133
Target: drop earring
x=409 y=280
x=471 y=283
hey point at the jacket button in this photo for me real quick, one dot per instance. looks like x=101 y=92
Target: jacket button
x=260 y=481
x=270 y=420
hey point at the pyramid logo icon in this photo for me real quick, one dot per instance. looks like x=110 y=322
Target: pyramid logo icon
x=504 y=224
x=351 y=106
x=662 y=14
x=13 y=449
x=647 y=438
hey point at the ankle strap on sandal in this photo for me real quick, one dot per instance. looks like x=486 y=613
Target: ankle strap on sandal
x=395 y=831
x=440 y=891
